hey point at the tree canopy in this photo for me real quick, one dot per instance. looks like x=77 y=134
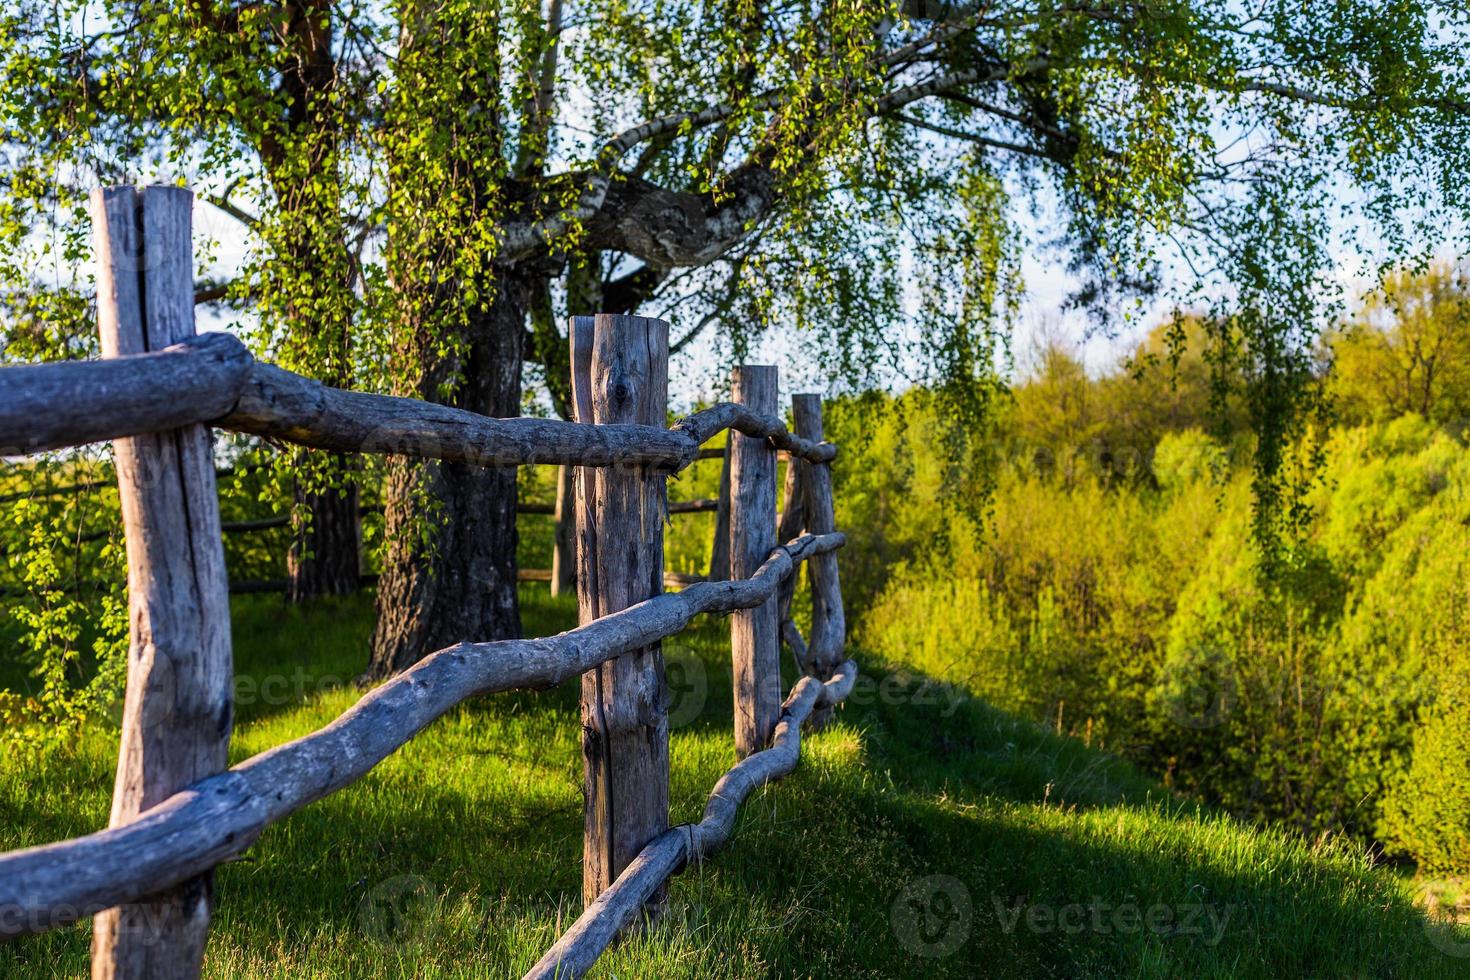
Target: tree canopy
x=427 y=189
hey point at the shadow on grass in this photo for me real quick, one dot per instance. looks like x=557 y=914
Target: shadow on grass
x=925 y=834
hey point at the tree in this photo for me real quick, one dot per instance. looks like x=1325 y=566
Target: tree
x=254 y=93
x=853 y=172
x=1407 y=350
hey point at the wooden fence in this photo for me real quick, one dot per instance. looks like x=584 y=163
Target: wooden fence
x=178 y=811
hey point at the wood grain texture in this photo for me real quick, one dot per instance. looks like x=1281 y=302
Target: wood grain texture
x=281 y=405
x=618 y=908
x=790 y=525
x=705 y=424
x=719 y=554
x=755 y=646
x=564 y=538
x=625 y=732
x=829 y=622
x=177 y=713
x=222 y=815
x=70 y=403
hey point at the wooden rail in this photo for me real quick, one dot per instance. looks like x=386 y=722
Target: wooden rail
x=178 y=812
x=220 y=816
x=221 y=384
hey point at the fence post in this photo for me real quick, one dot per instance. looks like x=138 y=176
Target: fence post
x=791 y=524
x=719 y=554
x=563 y=557
x=178 y=711
x=620 y=374
x=829 y=623
x=754 y=640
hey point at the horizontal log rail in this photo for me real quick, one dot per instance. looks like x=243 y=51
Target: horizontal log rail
x=220 y=816
x=178 y=812
x=699 y=506
x=674 y=580
x=70 y=403
x=212 y=378
x=670 y=852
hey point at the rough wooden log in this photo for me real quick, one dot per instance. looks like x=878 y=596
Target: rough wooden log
x=522 y=507
x=829 y=623
x=704 y=425
x=672 y=580
x=219 y=817
x=88 y=485
x=755 y=644
x=70 y=403
x=791 y=524
x=177 y=712
x=625 y=731
x=719 y=554
x=218 y=382
x=564 y=544
x=618 y=907
x=284 y=406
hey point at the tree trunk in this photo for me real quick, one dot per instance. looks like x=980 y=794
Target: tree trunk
x=326 y=543
x=312 y=290
x=450 y=570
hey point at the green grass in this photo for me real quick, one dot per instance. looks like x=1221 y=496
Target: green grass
x=923 y=835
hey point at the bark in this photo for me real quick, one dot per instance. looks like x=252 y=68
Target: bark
x=221 y=816
x=177 y=714
x=311 y=241
x=326 y=544
x=450 y=573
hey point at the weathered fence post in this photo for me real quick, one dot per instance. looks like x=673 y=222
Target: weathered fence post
x=620 y=374
x=791 y=524
x=178 y=711
x=719 y=555
x=563 y=551
x=829 y=623
x=754 y=640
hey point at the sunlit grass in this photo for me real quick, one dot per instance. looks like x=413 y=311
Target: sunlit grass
x=923 y=835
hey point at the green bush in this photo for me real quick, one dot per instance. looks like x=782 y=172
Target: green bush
x=1426 y=812
x=1328 y=697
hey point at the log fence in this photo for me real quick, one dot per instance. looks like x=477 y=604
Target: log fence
x=178 y=810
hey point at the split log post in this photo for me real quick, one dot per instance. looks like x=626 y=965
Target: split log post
x=563 y=551
x=178 y=711
x=719 y=555
x=791 y=524
x=620 y=374
x=829 y=623
x=754 y=640
x=219 y=817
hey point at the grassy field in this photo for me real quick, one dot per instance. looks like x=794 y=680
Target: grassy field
x=923 y=835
